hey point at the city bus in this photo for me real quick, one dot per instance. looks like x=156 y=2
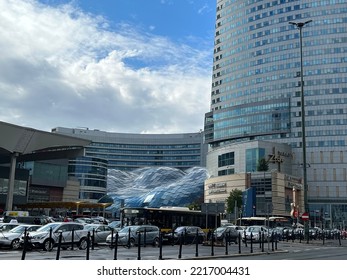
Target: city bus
x=169 y=218
x=265 y=221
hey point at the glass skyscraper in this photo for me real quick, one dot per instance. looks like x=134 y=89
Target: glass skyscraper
x=256 y=88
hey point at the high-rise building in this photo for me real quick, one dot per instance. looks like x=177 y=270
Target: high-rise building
x=256 y=88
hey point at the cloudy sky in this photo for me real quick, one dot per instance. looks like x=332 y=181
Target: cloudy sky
x=139 y=66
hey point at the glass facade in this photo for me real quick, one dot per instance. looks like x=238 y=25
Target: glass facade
x=256 y=84
x=92 y=175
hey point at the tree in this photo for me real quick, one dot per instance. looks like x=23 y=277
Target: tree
x=235 y=196
x=263 y=165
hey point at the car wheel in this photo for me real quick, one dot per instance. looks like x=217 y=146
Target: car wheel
x=132 y=242
x=15 y=244
x=83 y=244
x=156 y=242
x=48 y=245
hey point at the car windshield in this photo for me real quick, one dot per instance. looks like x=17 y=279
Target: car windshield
x=252 y=229
x=90 y=227
x=126 y=229
x=48 y=227
x=220 y=230
x=18 y=229
x=115 y=224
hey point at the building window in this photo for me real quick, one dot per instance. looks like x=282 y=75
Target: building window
x=226 y=159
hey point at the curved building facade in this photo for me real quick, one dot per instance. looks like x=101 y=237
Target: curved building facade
x=256 y=87
x=127 y=151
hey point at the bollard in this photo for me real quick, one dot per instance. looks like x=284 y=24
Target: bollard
x=262 y=242
x=172 y=237
x=197 y=243
x=115 y=246
x=50 y=239
x=227 y=237
x=240 y=241
x=25 y=243
x=160 y=245
x=112 y=230
x=212 y=243
x=287 y=235
x=72 y=238
x=323 y=239
x=244 y=234
x=276 y=241
x=251 y=242
x=93 y=238
x=59 y=245
x=180 y=248
x=272 y=242
x=129 y=238
x=144 y=238
x=139 y=245
x=88 y=245
x=339 y=237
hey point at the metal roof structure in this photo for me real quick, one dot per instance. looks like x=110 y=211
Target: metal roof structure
x=31 y=144
x=20 y=144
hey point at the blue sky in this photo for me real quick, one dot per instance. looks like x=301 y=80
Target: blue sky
x=140 y=66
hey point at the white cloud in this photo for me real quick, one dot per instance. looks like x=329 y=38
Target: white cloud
x=60 y=67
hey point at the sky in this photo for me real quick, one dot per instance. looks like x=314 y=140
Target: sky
x=127 y=66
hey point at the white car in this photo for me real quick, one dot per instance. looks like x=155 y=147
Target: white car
x=48 y=235
x=256 y=233
x=13 y=237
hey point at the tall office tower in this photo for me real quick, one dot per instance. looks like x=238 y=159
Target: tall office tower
x=256 y=87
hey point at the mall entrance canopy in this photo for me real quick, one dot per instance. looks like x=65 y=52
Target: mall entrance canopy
x=21 y=144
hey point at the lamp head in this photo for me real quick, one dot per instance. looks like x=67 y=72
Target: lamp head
x=300 y=24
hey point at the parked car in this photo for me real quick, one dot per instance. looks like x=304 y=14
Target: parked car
x=240 y=229
x=228 y=234
x=256 y=233
x=282 y=233
x=47 y=236
x=98 y=232
x=129 y=236
x=12 y=237
x=187 y=233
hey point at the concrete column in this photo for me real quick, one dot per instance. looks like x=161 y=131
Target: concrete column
x=9 y=199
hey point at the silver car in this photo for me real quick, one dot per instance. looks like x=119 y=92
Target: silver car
x=255 y=233
x=47 y=236
x=130 y=235
x=13 y=237
x=98 y=232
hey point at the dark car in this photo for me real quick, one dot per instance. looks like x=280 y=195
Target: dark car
x=228 y=233
x=188 y=235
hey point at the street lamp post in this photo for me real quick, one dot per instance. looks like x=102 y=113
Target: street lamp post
x=300 y=25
